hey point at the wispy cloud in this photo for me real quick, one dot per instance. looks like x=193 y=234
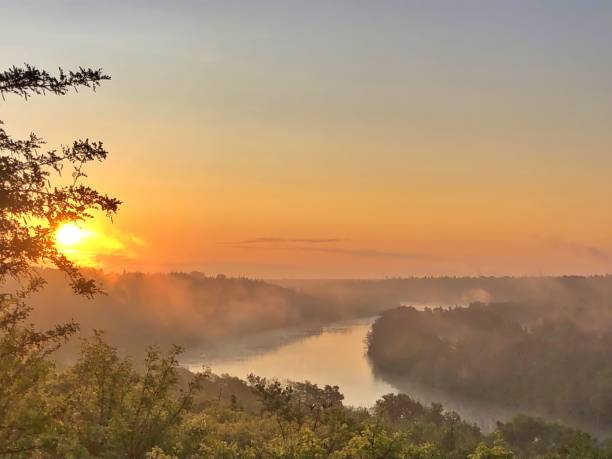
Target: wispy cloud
x=587 y=250
x=280 y=240
x=320 y=245
x=370 y=253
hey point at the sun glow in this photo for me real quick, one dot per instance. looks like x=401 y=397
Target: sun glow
x=91 y=244
x=69 y=235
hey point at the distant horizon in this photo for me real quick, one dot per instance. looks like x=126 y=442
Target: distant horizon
x=333 y=139
x=212 y=275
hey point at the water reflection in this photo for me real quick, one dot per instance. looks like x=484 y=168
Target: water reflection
x=335 y=356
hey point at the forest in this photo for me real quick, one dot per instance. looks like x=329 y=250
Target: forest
x=552 y=292
x=102 y=407
x=188 y=309
x=554 y=360
x=209 y=312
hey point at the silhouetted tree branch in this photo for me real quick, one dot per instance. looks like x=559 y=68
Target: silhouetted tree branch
x=32 y=206
x=27 y=80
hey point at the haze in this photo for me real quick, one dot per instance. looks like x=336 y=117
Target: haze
x=336 y=139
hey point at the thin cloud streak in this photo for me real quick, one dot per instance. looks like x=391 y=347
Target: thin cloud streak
x=370 y=253
x=278 y=240
x=588 y=250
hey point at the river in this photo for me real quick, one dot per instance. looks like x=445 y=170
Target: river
x=335 y=355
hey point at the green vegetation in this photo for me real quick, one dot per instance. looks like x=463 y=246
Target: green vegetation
x=101 y=407
x=503 y=353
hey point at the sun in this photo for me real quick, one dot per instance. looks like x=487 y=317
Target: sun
x=69 y=234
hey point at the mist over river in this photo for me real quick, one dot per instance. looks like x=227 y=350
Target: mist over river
x=336 y=355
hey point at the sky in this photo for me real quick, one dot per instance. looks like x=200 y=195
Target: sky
x=334 y=139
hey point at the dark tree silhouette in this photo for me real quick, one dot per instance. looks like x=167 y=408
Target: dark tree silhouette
x=31 y=205
x=31 y=208
x=30 y=80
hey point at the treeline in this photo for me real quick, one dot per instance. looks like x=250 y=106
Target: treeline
x=445 y=290
x=101 y=407
x=190 y=309
x=208 y=312
x=542 y=359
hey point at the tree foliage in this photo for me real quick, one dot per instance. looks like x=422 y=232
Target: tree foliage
x=32 y=203
x=110 y=410
x=32 y=206
x=491 y=352
x=27 y=80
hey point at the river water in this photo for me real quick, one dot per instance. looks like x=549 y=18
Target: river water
x=335 y=355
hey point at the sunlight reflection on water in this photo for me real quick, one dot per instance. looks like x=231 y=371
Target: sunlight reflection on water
x=336 y=356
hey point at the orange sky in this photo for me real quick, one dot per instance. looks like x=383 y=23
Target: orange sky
x=336 y=141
